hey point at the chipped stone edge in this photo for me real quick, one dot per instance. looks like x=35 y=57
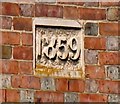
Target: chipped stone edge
x=56 y=22
x=45 y=21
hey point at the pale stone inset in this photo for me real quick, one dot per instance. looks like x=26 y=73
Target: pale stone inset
x=58 y=49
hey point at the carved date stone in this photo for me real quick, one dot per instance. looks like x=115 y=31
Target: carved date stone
x=58 y=51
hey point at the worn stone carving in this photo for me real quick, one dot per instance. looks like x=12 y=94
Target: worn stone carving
x=58 y=51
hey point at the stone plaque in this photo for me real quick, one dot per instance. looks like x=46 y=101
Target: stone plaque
x=58 y=51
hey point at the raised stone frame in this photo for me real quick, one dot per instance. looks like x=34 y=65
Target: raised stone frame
x=58 y=22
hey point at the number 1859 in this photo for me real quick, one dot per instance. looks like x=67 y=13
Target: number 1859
x=61 y=47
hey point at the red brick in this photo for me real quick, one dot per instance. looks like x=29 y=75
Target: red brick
x=70 y=2
x=25 y=53
x=59 y=84
x=22 y=24
x=25 y=82
x=109 y=3
x=93 y=98
x=27 y=39
x=109 y=58
x=95 y=72
x=108 y=29
x=11 y=9
x=107 y=86
x=70 y=12
x=95 y=43
x=17 y=81
x=12 y=38
x=42 y=10
x=92 y=14
x=48 y=96
x=12 y=96
x=9 y=67
x=76 y=85
x=2 y=95
x=57 y=97
x=5 y=22
x=25 y=67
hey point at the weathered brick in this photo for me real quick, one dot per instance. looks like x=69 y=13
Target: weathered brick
x=27 y=10
x=108 y=29
x=91 y=4
x=6 y=81
x=113 y=72
x=26 y=96
x=2 y=95
x=30 y=82
x=113 y=98
x=93 y=98
x=92 y=14
x=110 y=3
x=113 y=14
x=6 y=52
x=42 y=10
x=24 y=1
x=49 y=96
x=95 y=72
x=70 y=2
x=12 y=38
x=25 y=53
x=5 y=22
x=46 y=1
x=19 y=1
x=70 y=12
x=25 y=67
x=11 y=9
x=91 y=57
x=12 y=95
x=109 y=58
x=47 y=83
x=107 y=86
x=79 y=83
x=113 y=43
x=91 y=86
x=27 y=39
x=95 y=43
x=57 y=97
x=91 y=29
x=22 y=24
x=10 y=67
x=71 y=97
x=60 y=82
x=16 y=81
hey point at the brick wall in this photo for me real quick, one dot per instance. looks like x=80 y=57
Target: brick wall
x=101 y=45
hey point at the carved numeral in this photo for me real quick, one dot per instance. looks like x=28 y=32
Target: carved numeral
x=75 y=48
x=49 y=51
x=63 y=51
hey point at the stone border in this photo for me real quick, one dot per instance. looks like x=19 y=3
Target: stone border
x=42 y=21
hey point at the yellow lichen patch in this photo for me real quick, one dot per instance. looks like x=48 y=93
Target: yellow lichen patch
x=81 y=73
x=41 y=69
